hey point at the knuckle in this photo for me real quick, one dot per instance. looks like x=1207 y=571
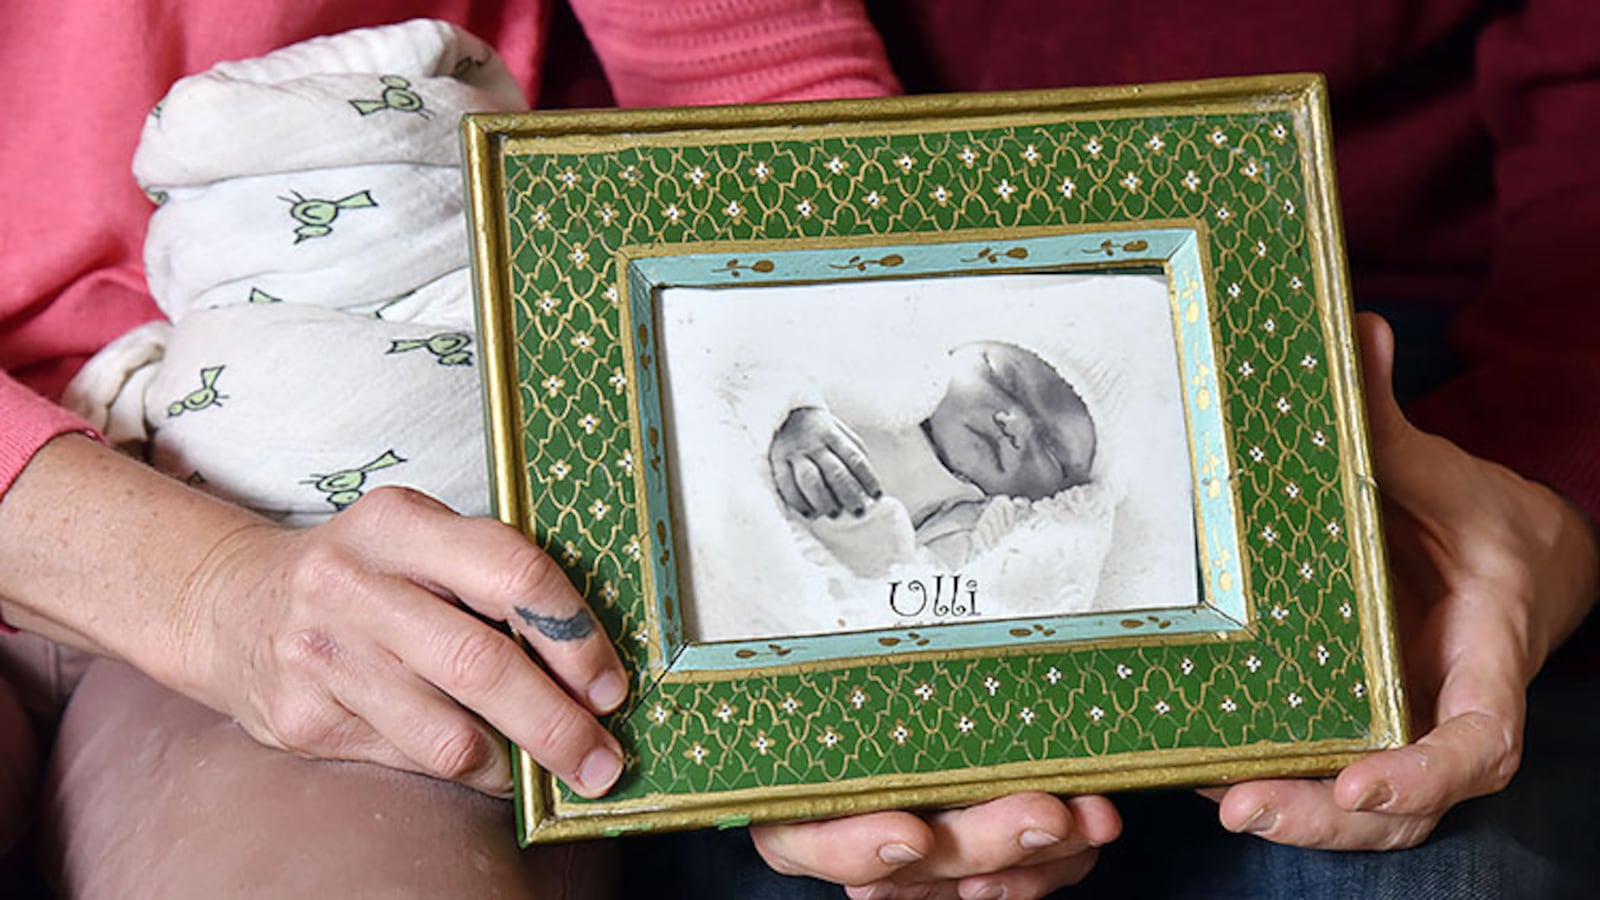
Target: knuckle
x=387 y=501
x=457 y=753
x=564 y=732
x=529 y=572
x=313 y=651
x=303 y=725
x=317 y=569
x=383 y=510
x=323 y=569
x=474 y=662
x=1506 y=763
x=1491 y=756
x=262 y=732
x=1511 y=740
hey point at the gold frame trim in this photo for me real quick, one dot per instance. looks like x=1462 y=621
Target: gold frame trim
x=575 y=821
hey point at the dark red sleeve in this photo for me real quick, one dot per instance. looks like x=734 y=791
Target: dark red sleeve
x=1530 y=398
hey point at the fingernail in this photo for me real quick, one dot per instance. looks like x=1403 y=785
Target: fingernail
x=1037 y=839
x=1376 y=797
x=878 y=892
x=607 y=691
x=1262 y=821
x=600 y=768
x=987 y=892
x=898 y=854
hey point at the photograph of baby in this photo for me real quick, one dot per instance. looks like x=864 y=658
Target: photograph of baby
x=915 y=452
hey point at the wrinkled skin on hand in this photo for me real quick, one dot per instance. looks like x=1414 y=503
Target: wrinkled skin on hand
x=374 y=636
x=353 y=640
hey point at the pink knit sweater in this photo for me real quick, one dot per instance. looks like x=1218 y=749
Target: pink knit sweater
x=82 y=74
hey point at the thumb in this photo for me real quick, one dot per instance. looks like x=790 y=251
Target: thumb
x=1384 y=418
x=1418 y=470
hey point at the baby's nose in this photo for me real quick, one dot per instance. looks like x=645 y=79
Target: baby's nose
x=1017 y=427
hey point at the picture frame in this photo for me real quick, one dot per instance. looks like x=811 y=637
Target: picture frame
x=1149 y=279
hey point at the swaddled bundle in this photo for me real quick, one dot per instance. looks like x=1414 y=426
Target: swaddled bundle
x=310 y=251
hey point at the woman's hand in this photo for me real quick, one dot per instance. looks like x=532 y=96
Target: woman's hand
x=1018 y=847
x=371 y=637
x=1491 y=572
x=350 y=641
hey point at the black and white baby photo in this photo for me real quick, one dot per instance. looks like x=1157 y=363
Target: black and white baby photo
x=911 y=452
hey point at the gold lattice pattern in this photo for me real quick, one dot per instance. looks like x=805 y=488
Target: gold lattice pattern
x=1299 y=680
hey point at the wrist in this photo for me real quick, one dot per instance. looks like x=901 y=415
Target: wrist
x=208 y=605
x=95 y=549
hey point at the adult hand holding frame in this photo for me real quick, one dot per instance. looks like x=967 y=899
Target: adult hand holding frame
x=1096 y=346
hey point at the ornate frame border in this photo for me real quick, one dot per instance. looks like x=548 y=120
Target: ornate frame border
x=572 y=212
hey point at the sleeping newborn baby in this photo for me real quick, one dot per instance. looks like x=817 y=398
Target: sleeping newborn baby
x=309 y=249
x=1007 y=427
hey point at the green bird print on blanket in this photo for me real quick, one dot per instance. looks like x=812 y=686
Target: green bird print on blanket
x=346 y=486
x=316 y=215
x=203 y=397
x=448 y=348
x=397 y=95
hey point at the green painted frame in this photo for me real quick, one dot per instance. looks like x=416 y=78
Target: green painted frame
x=579 y=217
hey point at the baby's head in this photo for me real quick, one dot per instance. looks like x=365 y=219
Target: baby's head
x=1010 y=424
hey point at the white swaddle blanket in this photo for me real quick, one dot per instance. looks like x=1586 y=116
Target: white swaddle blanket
x=310 y=252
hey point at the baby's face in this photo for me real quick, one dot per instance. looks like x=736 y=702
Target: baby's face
x=1010 y=424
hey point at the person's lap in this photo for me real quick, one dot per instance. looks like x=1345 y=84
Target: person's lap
x=35 y=678
x=148 y=794
x=19 y=767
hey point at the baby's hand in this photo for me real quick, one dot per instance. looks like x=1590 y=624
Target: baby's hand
x=819 y=467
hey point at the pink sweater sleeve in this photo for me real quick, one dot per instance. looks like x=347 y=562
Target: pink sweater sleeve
x=699 y=52
x=30 y=421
